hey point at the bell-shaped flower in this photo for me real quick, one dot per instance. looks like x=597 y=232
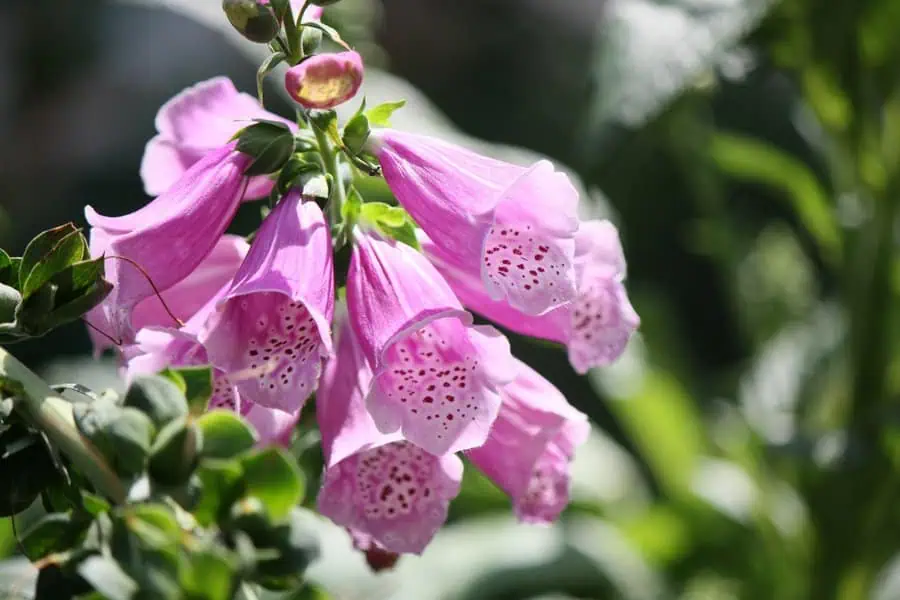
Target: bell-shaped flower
x=270 y=330
x=436 y=375
x=344 y=421
x=397 y=494
x=326 y=80
x=155 y=247
x=509 y=226
x=531 y=445
x=389 y=494
x=595 y=326
x=195 y=122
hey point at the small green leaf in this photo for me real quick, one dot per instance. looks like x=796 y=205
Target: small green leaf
x=48 y=254
x=273 y=476
x=209 y=575
x=221 y=481
x=155 y=523
x=93 y=504
x=129 y=436
x=380 y=116
x=269 y=143
x=7 y=268
x=393 y=221
x=55 y=532
x=296 y=172
x=10 y=299
x=108 y=578
x=198 y=386
x=272 y=61
x=297 y=547
x=175 y=452
x=225 y=435
x=157 y=396
x=356 y=133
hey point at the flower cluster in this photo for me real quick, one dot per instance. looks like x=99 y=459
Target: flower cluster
x=405 y=382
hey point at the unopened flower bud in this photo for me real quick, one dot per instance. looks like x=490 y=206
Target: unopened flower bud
x=254 y=19
x=325 y=80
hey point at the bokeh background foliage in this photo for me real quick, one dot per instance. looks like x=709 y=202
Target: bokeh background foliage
x=748 y=445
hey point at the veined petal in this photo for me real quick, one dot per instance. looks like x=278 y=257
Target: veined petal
x=397 y=493
x=270 y=331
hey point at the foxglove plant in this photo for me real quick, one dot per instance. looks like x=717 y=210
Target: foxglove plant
x=413 y=385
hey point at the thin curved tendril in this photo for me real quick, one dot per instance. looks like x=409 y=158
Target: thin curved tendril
x=156 y=291
x=101 y=332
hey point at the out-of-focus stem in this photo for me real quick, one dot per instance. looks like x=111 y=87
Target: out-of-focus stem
x=53 y=415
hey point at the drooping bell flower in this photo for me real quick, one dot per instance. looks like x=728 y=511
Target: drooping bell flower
x=325 y=80
x=531 y=445
x=509 y=226
x=195 y=122
x=344 y=421
x=270 y=331
x=595 y=327
x=436 y=375
x=389 y=494
x=396 y=493
x=167 y=239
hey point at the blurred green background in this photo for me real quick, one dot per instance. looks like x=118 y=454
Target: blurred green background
x=748 y=444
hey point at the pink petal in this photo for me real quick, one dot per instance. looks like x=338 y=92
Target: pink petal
x=529 y=449
x=398 y=494
x=168 y=238
x=344 y=422
x=198 y=120
x=270 y=331
x=436 y=377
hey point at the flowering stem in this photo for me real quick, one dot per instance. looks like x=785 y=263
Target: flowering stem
x=329 y=155
x=53 y=416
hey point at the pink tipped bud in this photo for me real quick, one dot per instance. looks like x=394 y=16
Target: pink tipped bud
x=325 y=80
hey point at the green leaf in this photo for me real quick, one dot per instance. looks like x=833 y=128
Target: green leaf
x=271 y=61
x=93 y=504
x=225 y=435
x=9 y=270
x=356 y=133
x=155 y=523
x=10 y=299
x=108 y=578
x=55 y=532
x=210 y=575
x=157 y=396
x=221 y=481
x=269 y=143
x=295 y=173
x=755 y=161
x=380 y=116
x=297 y=547
x=129 y=436
x=92 y=418
x=273 y=476
x=198 y=386
x=175 y=452
x=393 y=221
x=48 y=254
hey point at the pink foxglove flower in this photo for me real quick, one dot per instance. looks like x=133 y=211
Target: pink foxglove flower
x=325 y=80
x=270 y=331
x=436 y=375
x=390 y=494
x=195 y=122
x=595 y=327
x=344 y=421
x=528 y=452
x=167 y=239
x=509 y=226
x=396 y=494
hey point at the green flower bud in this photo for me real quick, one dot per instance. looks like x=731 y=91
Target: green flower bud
x=254 y=19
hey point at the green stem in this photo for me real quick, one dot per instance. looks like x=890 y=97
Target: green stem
x=329 y=154
x=53 y=415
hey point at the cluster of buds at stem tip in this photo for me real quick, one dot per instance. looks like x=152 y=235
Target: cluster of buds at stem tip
x=366 y=304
